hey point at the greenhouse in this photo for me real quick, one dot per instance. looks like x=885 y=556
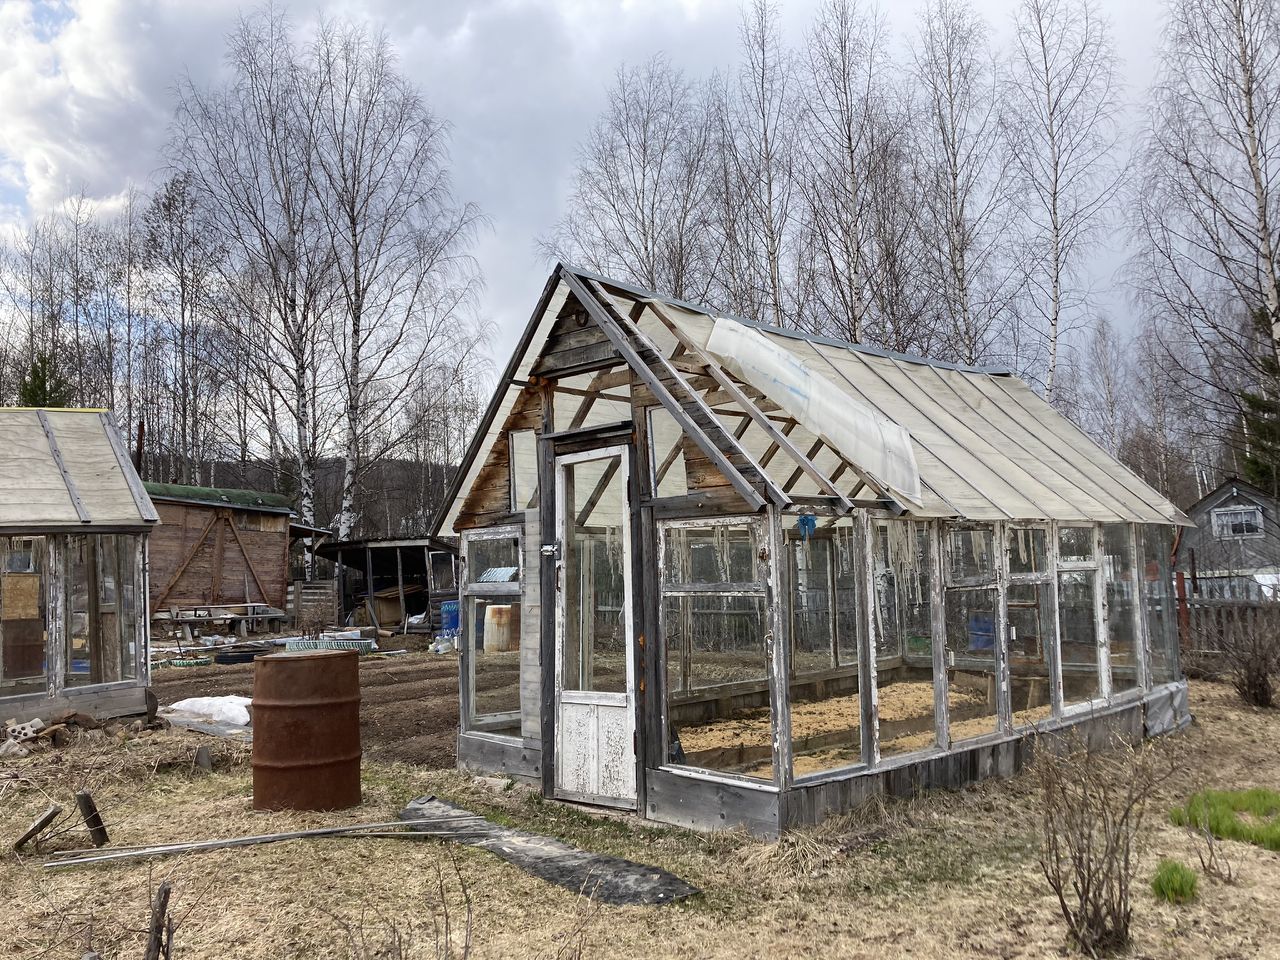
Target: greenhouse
x=725 y=574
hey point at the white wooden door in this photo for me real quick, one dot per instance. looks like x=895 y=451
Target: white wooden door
x=595 y=756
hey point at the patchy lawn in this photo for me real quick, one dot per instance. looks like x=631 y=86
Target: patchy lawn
x=946 y=875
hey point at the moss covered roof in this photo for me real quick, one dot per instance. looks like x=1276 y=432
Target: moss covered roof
x=221 y=496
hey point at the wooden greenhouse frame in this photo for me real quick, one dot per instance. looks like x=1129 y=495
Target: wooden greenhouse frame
x=74 y=524
x=725 y=574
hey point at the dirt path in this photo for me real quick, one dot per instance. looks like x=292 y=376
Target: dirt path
x=408 y=704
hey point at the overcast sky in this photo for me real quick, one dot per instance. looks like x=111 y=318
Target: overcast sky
x=85 y=94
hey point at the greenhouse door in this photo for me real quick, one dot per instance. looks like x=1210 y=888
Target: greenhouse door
x=595 y=754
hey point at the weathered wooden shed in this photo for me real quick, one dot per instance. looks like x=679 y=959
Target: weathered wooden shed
x=727 y=575
x=395 y=583
x=74 y=523
x=218 y=547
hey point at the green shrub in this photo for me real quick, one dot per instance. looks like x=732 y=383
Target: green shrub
x=1174 y=882
x=1251 y=816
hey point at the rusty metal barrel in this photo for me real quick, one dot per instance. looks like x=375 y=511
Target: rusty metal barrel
x=306 y=730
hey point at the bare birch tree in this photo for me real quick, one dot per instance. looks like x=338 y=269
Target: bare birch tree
x=1207 y=207
x=182 y=263
x=398 y=244
x=1063 y=132
x=963 y=175
x=757 y=128
x=640 y=206
x=248 y=149
x=847 y=133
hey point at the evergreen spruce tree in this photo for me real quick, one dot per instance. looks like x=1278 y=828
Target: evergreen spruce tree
x=43 y=385
x=1261 y=413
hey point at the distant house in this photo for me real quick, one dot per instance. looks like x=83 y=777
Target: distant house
x=218 y=547
x=1233 y=551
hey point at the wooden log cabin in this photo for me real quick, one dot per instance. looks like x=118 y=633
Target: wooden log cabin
x=728 y=575
x=74 y=525
x=218 y=547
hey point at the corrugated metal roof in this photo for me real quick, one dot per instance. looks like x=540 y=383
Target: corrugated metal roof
x=67 y=470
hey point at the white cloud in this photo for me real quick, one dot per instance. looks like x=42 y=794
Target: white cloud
x=85 y=94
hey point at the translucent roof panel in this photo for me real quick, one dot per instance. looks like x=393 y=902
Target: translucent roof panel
x=986 y=446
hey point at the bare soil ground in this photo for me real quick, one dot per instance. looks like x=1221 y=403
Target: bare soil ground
x=944 y=875
x=408 y=704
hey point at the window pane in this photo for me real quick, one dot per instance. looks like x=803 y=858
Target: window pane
x=23 y=562
x=1075 y=544
x=904 y=644
x=1027 y=551
x=848 y=623
x=666 y=454
x=443 y=575
x=1122 y=591
x=1237 y=522
x=970 y=553
x=98 y=649
x=811 y=598
x=494 y=628
x=826 y=714
x=523 y=452
x=971 y=661
x=718 y=714
x=493 y=560
x=722 y=553
x=1079 y=631
x=1030 y=636
x=126 y=603
x=1157 y=585
x=594 y=562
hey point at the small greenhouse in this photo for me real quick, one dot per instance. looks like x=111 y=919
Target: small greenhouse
x=731 y=575
x=74 y=522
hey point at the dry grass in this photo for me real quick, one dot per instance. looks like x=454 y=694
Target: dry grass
x=945 y=875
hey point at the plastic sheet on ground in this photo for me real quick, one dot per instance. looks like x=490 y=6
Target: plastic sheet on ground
x=232 y=710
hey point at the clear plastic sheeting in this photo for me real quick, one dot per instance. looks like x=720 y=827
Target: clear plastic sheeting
x=874 y=444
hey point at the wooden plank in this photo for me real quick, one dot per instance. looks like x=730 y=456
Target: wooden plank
x=938 y=632
x=706 y=804
x=778 y=650
x=56 y=453
x=404 y=613
x=219 y=548
x=252 y=569
x=576 y=359
x=864 y=581
x=146 y=509
x=38 y=826
x=500 y=755
x=547 y=575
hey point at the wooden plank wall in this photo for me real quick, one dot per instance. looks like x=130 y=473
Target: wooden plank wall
x=575 y=340
x=488 y=501
x=218 y=558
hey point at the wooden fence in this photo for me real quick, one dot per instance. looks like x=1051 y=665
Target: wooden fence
x=1207 y=627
